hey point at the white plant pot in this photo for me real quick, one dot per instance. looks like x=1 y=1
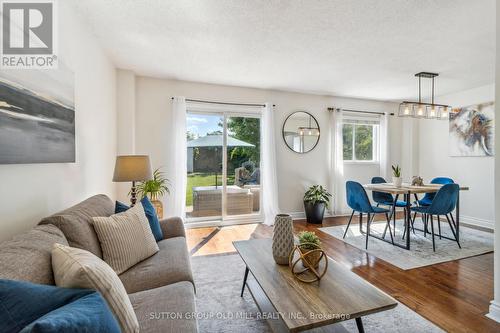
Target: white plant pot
x=397 y=181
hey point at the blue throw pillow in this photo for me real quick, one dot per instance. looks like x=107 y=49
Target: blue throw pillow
x=150 y=211
x=28 y=307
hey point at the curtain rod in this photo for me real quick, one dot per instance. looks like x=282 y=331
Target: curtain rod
x=359 y=111
x=224 y=103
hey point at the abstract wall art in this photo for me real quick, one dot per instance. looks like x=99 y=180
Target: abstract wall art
x=37 y=116
x=472 y=131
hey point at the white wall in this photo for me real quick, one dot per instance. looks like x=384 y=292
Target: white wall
x=30 y=192
x=494 y=312
x=295 y=171
x=477 y=205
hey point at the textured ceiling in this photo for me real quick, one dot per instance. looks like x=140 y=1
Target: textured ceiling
x=357 y=48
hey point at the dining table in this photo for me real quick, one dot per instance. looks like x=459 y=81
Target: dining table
x=408 y=190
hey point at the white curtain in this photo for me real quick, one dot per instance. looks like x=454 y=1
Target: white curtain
x=384 y=147
x=178 y=158
x=268 y=164
x=337 y=162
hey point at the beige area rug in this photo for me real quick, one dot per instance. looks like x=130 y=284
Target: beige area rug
x=220 y=308
x=474 y=242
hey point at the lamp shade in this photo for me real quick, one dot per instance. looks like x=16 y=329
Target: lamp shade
x=129 y=168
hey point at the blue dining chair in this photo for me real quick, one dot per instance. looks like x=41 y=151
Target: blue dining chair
x=427 y=200
x=358 y=201
x=443 y=203
x=386 y=199
x=428 y=197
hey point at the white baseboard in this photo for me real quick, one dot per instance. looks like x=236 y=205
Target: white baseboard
x=302 y=215
x=477 y=222
x=494 y=313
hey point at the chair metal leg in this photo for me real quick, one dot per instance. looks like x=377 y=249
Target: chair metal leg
x=413 y=221
x=413 y=226
x=389 y=225
x=453 y=220
x=439 y=226
x=367 y=231
x=424 y=221
x=453 y=231
x=348 y=224
x=432 y=229
x=416 y=198
x=360 y=223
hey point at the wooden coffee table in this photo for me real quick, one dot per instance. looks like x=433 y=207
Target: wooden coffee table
x=294 y=306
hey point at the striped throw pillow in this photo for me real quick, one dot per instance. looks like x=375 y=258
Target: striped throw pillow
x=77 y=268
x=125 y=238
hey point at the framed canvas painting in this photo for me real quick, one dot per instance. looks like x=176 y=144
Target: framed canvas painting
x=37 y=116
x=472 y=130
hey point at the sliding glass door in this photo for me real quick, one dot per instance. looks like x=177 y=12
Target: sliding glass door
x=223 y=167
x=242 y=165
x=204 y=165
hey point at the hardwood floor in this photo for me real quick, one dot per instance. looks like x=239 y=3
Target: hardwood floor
x=454 y=295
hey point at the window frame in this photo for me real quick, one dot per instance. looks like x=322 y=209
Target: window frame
x=375 y=142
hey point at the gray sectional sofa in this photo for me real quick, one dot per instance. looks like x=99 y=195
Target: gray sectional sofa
x=158 y=286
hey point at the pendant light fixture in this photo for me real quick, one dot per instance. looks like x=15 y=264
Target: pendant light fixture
x=423 y=110
x=308 y=130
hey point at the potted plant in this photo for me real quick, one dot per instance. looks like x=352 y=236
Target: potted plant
x=154 y=189
x=308 y=241
x=397 y=180
x=316 y=199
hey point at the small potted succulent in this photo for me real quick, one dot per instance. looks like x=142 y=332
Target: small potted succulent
x=316 y=199
x=308 y=241
x=397 y=180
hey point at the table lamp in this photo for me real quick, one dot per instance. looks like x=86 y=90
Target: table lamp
x=132 y=168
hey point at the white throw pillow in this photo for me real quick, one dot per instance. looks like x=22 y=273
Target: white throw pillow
x=77 y=268
x=126 y=238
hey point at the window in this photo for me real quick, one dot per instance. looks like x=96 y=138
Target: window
x=360 y=141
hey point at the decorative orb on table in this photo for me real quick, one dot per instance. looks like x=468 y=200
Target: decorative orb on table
x=314 y=264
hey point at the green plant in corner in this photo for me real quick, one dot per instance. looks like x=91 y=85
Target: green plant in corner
x=154 y=188
x=396 y=171
x=317 y=194
x=309 y=241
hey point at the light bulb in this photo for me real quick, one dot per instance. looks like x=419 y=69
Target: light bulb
x=407 y=110
x=310 y=132
x=433 y=112
x=444 y=114
x=420 y=110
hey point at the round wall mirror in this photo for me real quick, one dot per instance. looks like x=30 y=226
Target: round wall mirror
x=301 y=132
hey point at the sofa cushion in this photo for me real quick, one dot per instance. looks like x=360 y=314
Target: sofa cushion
x=126 y=238
x=27 y=256
x=76 y=222
x=169 y=265
x=150 y=212
x=77 y=268
x=166 y=309
x=41 y=308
